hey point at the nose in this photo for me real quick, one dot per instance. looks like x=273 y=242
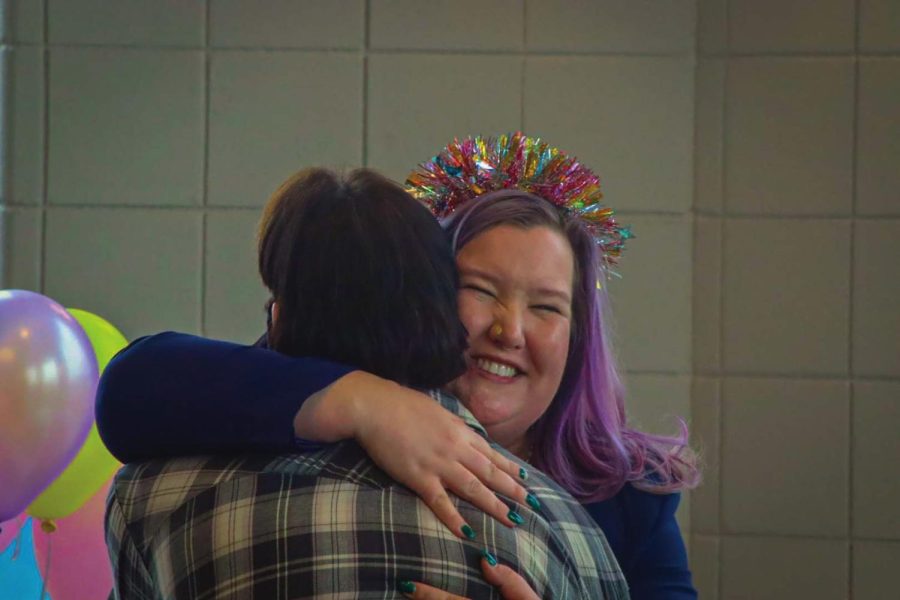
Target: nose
x=507 y=330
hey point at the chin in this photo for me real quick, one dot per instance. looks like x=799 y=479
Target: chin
x=487 y=408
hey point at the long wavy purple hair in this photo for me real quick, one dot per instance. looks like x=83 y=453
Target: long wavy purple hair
x=583 y=440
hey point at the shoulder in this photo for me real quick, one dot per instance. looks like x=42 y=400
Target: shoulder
x=636 y=507
x=643 y=531
x=166 y=341
x=648 y=504
x=633 y=519
x=145 y=489
x=226 y=507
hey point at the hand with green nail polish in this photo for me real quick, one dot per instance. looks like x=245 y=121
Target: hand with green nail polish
x=423 y=446
x=511 y=585
x=490 y=558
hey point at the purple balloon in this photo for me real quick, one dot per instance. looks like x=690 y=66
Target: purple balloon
x=48 y=379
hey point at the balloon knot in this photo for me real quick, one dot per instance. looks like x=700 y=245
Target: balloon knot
x=48 y=526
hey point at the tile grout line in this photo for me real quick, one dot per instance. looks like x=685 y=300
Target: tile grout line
x=693 y=53
x=803 y=537
x=826 y=377
x=608 y=53
x=383 y=50
x=850 y=365
x=45 y=134
x=7 y=92
x=790 y=216
x=367 y=16
x=692 y=380
x=720 y=384
x=694 y=223
x=522 y=67
x=204 y=181
x=621 y=213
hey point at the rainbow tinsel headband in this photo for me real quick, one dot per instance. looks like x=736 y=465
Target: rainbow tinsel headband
x=477 y=165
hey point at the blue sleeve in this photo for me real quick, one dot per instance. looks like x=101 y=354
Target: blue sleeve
x=660 y=568
x=174 y=394
x=644 y=535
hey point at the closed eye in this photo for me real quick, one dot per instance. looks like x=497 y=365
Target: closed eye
x=548 y=308
x=479 y=289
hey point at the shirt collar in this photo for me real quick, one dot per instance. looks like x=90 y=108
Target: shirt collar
x=452 y=404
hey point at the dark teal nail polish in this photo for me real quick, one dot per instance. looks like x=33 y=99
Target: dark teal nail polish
x=515 y=517
x=468 y=531
x=523 y=473
x=533 y=502
x=407 y=587
x=489 y=557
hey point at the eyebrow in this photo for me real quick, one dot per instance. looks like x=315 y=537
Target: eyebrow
x=556 y=293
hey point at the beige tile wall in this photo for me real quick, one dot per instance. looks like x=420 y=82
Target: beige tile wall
x=752 y=144
x=143 y=133
x=796 y=302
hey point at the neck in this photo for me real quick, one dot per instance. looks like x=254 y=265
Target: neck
x=521 y=447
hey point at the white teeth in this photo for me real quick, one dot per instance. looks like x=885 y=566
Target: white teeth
x=496 y=368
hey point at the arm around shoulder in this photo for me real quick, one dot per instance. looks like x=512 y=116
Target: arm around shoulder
x=173 y=394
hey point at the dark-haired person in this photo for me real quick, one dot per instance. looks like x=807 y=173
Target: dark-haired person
x=534 y=246
x=362 y=274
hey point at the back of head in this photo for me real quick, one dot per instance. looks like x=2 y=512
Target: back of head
x=363 y=275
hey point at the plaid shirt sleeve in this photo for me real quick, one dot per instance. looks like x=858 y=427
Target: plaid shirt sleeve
x=132 y=578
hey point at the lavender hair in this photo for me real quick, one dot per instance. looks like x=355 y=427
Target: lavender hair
x=583 y=440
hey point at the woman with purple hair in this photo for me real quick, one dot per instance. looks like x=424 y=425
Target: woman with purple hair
x=534 y=248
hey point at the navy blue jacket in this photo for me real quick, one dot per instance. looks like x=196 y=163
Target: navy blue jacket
x=175 y=394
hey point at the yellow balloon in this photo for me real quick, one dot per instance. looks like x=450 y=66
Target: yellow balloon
x=105 y=338
x=93 y=464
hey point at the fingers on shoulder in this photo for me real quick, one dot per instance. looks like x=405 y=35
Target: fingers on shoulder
x=435 y=496
x=511 y=585
x=499 y=460
x=493 y=471
x=426 y=592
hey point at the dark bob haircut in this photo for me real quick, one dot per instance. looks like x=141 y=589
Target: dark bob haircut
x=363 y=275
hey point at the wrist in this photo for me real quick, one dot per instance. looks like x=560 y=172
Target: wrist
x=346 y=404
x=341 y=410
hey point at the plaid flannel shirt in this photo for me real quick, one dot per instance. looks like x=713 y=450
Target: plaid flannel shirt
x=330 y=524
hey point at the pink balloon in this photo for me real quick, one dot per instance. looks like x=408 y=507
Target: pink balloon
x=9 y=530
x=79 y=562
x=49 y=376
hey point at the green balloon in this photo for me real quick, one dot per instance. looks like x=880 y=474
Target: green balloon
x=105 y=338
x=93 y=464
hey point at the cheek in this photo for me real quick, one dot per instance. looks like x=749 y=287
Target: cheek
x=554 y=347
x=475 y=317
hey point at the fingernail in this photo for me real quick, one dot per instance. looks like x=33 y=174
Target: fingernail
x=489 y=557
x=523 y=473
x=407 y=587
x=468 y=531
x=515 y=517
x=533 y=502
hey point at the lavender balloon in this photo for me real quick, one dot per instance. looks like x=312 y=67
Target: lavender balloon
x=48 y=379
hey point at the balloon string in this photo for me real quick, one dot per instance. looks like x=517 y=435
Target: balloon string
x=18 y=540
x=47 y=567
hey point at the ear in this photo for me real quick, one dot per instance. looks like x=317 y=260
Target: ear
x=274 y=312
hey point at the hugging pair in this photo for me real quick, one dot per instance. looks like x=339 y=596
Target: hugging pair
x=443 y=358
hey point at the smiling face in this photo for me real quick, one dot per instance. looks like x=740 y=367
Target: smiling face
x=515 y=300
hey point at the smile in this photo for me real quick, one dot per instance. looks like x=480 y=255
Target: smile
x=496 y=368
